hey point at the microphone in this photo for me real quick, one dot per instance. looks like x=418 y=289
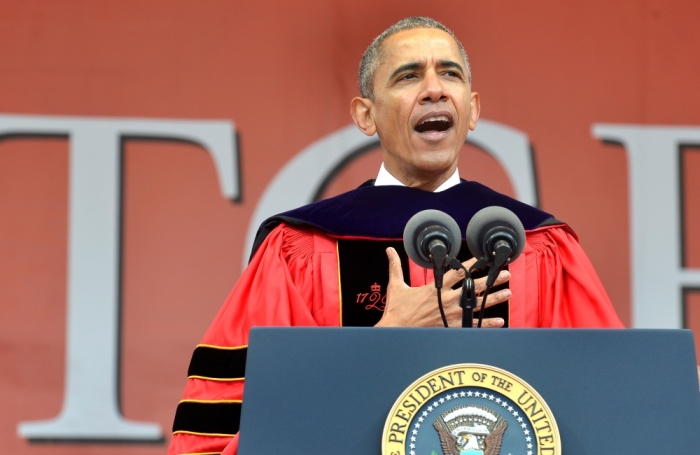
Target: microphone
x=495 y=236
x=432 y=239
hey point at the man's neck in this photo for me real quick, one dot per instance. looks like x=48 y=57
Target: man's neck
x=385 y=178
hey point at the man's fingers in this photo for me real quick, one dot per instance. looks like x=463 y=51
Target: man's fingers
x=395 y=270
x=450 y=297
x=452 y=277
x=490 y=323
x=469 y=263
x=480 y=284
x=495 y=298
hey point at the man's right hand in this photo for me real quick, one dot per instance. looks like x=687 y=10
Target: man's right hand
x=417 y=307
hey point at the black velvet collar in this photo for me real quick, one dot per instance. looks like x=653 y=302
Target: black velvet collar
x=381 y=212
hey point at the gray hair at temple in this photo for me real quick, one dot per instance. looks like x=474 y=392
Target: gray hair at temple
x=371 y=59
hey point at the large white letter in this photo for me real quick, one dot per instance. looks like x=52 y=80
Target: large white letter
x=90 y=405
x=299 y=181
x=658 y=276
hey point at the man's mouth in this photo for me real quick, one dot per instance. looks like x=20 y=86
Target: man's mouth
x=435 y=124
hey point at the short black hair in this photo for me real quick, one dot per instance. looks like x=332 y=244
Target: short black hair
x=371 y=59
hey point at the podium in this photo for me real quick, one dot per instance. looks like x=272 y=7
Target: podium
x=330 y=390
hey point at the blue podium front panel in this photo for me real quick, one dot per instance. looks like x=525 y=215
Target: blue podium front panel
x=330 y=390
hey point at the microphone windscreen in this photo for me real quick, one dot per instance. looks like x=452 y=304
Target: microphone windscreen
x=430 y=219
x=485 y=220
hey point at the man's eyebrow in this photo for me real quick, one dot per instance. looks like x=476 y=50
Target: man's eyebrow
x=451 y=64
x=411 y=66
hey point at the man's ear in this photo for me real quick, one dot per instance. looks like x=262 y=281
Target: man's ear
x=362 y=110
x=474 y=111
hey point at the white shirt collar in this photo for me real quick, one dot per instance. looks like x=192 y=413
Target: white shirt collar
x=384 y=179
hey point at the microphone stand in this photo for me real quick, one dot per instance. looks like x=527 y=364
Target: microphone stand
x=468 y=298
x=468 y=301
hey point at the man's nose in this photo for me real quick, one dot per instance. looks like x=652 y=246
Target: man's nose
x=433 y=88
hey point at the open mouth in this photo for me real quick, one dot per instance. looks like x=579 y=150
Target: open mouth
x=435 y=124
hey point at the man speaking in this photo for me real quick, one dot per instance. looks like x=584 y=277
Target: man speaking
x=340 y=262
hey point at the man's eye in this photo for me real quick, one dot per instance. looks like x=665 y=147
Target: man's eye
x=407 y=76
x=453 y=74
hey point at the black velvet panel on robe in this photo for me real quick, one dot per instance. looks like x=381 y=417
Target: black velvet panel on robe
x=364 y=277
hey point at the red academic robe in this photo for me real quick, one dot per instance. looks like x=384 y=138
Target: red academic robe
x=292 y=280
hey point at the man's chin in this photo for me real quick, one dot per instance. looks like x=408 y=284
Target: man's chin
x=434 y=164
x=436 y=155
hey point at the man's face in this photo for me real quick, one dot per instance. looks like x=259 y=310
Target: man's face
x=423 y=106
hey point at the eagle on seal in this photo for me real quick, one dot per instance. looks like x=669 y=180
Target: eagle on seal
x=456 y=445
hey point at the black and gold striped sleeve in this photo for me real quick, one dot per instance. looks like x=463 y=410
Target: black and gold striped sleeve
x=218 y=363
x=212 y=417
x=208 y=417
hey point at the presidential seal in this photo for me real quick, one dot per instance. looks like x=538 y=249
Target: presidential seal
x=470 y=409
